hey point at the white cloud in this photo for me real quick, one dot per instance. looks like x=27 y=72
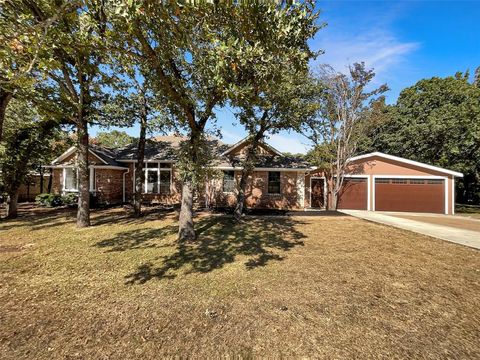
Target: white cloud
x=379 y=49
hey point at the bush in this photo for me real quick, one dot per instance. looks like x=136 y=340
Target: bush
x=49 y=200
x=70 y=199
x=54 y=200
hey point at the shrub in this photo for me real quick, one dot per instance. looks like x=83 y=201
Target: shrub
x=70 y=199
x=49 y=200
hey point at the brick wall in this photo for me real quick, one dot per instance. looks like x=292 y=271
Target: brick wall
x=109 y=186
x=256 y=192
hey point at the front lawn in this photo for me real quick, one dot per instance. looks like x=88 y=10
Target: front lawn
x=323 y=287
x=472 y=211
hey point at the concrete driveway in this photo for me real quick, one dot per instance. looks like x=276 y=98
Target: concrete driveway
x=455 y=229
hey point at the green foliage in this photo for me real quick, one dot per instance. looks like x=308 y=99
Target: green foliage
x=113 y=139
x=28 y=141
x=436 y=121
x=338 y=127
x=55 y=200
x=49 y=200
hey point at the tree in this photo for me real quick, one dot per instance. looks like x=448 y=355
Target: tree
x=22 y=40
x=195 y=53
x=436 y=121
x=27 y=138
x=113 y=139
x=337 y=130
x=284 y=103
x=75 y=79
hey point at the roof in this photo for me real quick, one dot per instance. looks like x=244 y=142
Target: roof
x=406 y=161
x=167 y=148
x=246 y=139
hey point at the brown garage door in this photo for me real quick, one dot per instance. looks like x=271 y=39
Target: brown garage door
x=353 y=194
x=416 y=195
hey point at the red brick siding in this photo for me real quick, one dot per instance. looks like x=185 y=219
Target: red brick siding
x=109 y=186
x=256 y=192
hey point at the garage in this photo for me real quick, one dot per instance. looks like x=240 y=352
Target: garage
x=354 y=194
x=410 y=195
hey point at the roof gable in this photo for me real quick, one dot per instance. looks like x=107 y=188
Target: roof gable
x=236 y=149
x=405 y=161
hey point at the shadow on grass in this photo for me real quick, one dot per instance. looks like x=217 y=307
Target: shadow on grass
x=138 y=239
x=219 y=242
x=38 y=218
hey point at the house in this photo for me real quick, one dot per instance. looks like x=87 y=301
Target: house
x=375 y=181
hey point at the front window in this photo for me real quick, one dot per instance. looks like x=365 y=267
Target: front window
x=158 y=178
x=228 y=181
x=274 y=182
x=71 y=179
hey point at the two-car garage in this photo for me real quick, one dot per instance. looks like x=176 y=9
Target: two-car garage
x=381 y=182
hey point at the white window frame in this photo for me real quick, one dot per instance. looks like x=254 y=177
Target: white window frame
x=223 y=181
x=65 y=179
x=158 y=170
x=92 y=179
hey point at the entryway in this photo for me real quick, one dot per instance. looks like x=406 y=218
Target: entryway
x=317 y=193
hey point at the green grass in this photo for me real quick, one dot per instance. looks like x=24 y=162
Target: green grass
x=327 y=286
x=472 y=211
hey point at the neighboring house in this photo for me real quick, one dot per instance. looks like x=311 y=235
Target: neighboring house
x=375 y=181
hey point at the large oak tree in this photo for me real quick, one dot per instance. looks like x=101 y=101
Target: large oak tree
x=201 y=54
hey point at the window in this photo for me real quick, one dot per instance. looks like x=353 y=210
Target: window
x=417 y=181
x=158 y=178
x=70 y=179
x=151 y=179
x=165 y=182
x=228 y=181
x=274 y=182
x=382 y=181
x=435 y=181
x=399 y=181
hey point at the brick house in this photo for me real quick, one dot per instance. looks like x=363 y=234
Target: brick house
x=374 y=181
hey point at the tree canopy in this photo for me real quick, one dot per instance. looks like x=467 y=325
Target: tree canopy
x=436 y=121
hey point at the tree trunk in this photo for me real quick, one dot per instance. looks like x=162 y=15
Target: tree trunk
x=83 y=212
x=237 y=215
x=50 y=181
x=248 y=166
x=186 y=231
x=12 y=203
x=139 y=172
x=5 y=97
x=41 y=179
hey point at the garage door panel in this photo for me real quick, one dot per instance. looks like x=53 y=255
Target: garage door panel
x=353 y=194
x=410 y=195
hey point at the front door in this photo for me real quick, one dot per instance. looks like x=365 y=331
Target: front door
x=318 y=195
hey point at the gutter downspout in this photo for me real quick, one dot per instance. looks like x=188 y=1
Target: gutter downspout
x=125 y=173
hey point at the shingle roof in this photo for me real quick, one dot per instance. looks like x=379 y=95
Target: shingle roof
x=167 y=148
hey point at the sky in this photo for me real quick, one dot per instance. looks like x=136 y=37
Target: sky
x=404 y=41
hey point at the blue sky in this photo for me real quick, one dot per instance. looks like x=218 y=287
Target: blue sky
x=404 y=41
